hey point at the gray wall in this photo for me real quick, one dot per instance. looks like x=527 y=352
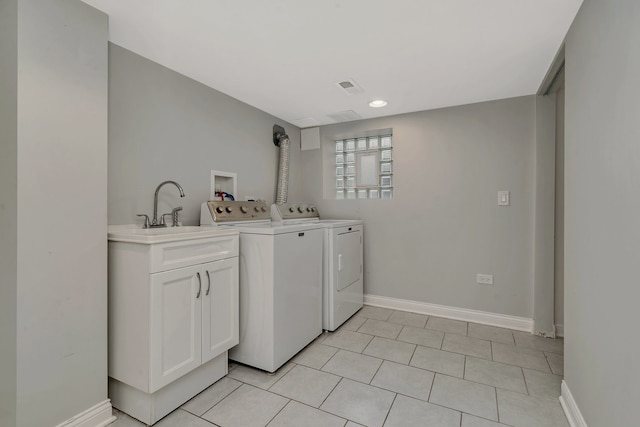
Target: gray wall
x=8 y=208
x=58 y=164
x=544 y=216
x=559 y=214
x=602 y=211
x=163 y=125
x=444 y=224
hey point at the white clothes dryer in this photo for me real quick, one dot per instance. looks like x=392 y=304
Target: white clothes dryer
x=342 y=261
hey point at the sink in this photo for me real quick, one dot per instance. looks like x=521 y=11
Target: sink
x=135 y=234
x=336 y=221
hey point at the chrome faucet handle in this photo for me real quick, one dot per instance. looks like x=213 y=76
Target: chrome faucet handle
x=174 y=215
x=147 y=224
x=163 y=223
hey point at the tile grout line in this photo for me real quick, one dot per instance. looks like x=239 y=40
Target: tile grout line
x=450 y=408
x=413 y=353
x=433 y=380
x=377 y=370
x=279 y=379
x=325 y=363
x=289 y=400
x=281 y=409
x=211 y=407
x=416 y=398
x=332 y=390
x=518 y=350
x=497 y=405
x=548 y=364
x=483 y=384
x=347 y=420
x=227 y=396
x=324 y=411
x=464 y=367
x=526 y=386
x=389 y=410
x=184 y=410
x=487 y=419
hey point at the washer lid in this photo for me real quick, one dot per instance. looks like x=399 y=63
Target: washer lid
x=271 y=228
x=334 y=223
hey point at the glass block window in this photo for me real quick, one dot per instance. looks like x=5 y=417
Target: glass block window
x=364 y=168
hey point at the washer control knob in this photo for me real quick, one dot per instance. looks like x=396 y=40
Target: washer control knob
x=308 y=209
x=300 y=209
x=263 y=209
x=229 y=209
x=291 y=209
x=219 y=209
x=243 y=209
x=313 y=209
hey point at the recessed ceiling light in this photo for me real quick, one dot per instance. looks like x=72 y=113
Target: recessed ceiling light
x=378 y=103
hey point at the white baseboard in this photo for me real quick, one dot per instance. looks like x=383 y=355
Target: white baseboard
x=483 y=317
x=99 y=415
x=570 y=407
x=560 y=331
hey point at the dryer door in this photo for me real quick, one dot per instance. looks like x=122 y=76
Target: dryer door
x=347 y=253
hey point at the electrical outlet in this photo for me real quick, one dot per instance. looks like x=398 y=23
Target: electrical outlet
x=503 y=198
x=484 y=279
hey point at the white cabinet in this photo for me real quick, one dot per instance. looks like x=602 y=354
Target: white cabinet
x=194 y=318
x=176 y=325
x=173 y=314
x=220 y=312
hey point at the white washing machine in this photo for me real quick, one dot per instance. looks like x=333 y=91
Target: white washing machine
x=342 y=278
x=280 y=282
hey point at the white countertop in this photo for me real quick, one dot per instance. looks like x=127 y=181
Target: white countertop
x=135 y=234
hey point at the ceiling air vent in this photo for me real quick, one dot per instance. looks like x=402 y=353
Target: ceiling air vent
x=350 y=87
x=305 y=122
x=345 y=116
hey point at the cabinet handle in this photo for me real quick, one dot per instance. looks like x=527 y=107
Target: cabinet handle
x=199 y=285
x=208 y=280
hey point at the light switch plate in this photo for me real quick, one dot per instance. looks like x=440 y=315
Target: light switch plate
x=503 y=198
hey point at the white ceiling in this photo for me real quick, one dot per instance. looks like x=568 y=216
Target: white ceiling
x=286 y=56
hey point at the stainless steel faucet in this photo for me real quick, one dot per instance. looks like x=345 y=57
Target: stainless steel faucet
x=155 y=223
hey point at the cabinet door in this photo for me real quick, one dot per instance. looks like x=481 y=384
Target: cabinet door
x=176 y=331
x=348 y=258
x=220 y=310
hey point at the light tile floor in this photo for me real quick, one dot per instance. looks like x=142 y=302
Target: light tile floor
x=392 y=368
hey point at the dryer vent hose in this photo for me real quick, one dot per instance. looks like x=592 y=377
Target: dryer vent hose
x=281 y=139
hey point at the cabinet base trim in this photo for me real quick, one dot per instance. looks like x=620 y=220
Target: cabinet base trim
x=151 y=407
x=99 y=415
